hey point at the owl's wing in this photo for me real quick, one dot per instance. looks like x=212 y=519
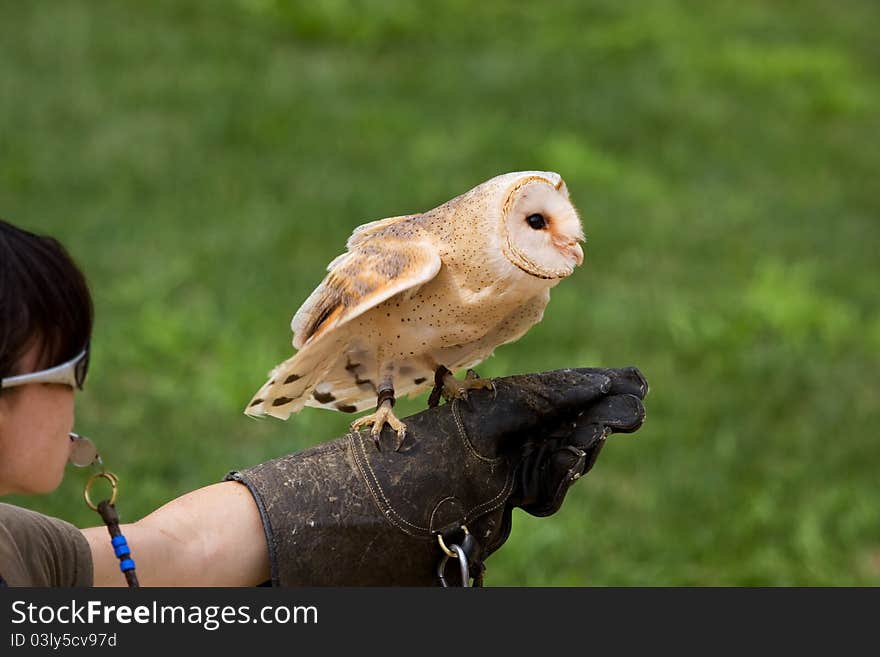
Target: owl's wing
x=373 y=271
x=369 y=230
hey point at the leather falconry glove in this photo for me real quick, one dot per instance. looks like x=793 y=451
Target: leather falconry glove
x=346 y=514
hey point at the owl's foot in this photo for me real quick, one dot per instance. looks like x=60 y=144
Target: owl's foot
x=383 y=415
x=447 y=386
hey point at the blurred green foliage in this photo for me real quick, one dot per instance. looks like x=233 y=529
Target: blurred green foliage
x=204 y=161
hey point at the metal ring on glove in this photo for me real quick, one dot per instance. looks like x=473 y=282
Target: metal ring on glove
x=446 y=550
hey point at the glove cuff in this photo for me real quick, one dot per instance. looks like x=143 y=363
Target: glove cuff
x=235 y=475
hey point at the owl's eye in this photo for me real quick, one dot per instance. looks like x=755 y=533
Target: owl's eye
x=536 y=221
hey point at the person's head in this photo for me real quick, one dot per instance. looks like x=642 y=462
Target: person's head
x=45 y=320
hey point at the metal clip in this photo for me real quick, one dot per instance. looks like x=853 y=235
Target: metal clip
x=457 y=551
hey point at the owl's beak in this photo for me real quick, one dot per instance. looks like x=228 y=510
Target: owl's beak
x=574 y=251
x=571 y=249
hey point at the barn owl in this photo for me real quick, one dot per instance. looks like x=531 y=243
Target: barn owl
x=419 y=296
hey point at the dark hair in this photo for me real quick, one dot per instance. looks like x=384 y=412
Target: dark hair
x=44 y=300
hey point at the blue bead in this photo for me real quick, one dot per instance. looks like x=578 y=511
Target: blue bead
x=121 y=551
x=126 y=565
x=116 y=541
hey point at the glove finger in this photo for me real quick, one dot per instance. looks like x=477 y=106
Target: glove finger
x=547 y=482
x=573 y=448
x=560 y=392
x=586 y=436
x=521 y=403
x=620 y=413
x=624 y=380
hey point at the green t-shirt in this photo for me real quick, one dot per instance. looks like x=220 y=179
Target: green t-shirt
x=36 y=550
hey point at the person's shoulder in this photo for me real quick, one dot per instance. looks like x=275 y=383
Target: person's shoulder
x=9 y=513
x=16 y=519
x=39 y=550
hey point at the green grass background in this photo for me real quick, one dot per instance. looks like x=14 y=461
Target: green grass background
x=204 y=161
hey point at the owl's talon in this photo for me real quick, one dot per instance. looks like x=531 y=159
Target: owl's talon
x=375 y=435
x=462 y=395
x=401 y=436
x=383 y=415
x=452 y=388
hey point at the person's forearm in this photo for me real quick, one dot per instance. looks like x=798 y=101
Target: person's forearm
x=210 y=537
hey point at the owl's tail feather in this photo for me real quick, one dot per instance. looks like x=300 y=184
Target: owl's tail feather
x=292 y=382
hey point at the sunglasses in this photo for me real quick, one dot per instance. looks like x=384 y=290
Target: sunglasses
x=72 y=373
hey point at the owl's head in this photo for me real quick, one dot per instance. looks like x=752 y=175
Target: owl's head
x=540 y=228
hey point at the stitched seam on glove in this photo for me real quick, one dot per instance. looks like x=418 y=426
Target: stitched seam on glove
x=392 y=516
x=505 y=491
x=374 y=487
x=448 y=498
x=496 y=502
x=466 y=439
